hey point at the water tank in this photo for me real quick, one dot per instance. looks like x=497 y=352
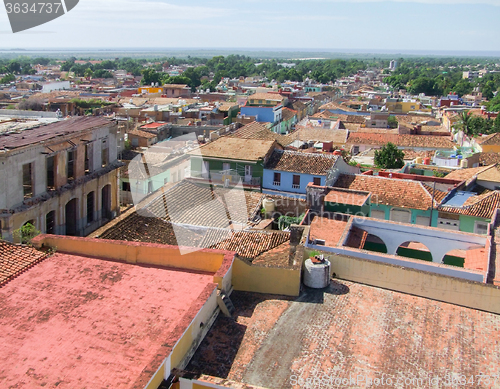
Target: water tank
x=317 y=272
x=268 y=205
x=427 y=161
x=418 y=160
x=464 y=163
x=201 y=138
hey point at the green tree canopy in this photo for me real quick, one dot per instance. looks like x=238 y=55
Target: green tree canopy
x=389 y=157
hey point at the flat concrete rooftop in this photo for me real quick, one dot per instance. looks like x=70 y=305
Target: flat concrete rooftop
x=347 y=330
x=77 y=322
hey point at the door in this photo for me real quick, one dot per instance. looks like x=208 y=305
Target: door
x=205 y=172
x=72 y=217
x=106 y=202
x=248 y=173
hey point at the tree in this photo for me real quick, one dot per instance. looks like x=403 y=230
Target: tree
x=496 y=124
x=26 y=233
x=392 y=122
x=7 y=78
x=88 y=73
x=465 y=123
x=389 y=157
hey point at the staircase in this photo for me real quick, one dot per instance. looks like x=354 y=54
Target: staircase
x=225 y=304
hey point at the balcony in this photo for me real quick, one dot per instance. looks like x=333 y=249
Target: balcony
x=226 y=177
x=277 y=183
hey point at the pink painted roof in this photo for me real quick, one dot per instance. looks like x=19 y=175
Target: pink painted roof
x=75 y=322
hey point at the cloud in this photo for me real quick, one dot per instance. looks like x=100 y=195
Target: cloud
x=432 y=2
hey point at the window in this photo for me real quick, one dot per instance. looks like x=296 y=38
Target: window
x=50 y=222
x=377 y=214
x=296 y=181
x=355 y=150
x=126 y=186
x=226 y=167
x=71 y=165
x=150 y=187
x=400 y=215
x=277 y=179
x=449 y=224
x=28 y=180
x=50 y=173
x=104 y=152
x=317 y=181
x=87 y=159
x=90 y=207
x=423 y=220
x=480 y=228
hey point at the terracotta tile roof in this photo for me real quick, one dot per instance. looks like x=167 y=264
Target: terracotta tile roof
x=411 y=154
x=439 y=195
x=486 y=159
x=478 y=206
x=329 y=230
x=424 y=141
x=237 y=148
x=14 y=259
x=491 y=174
x=288 y=113
x=189 y=204
x=489 y=140
x=387 y=191
x=324 y=115
x=142 y=134
x=257 y=130
x=466 y=174
x=344 y=330
x=345 y=196
x=292 y=161
x=266 y=96
x=225 y=107
x=174 y=86
x=247 y=244
x=322 y=135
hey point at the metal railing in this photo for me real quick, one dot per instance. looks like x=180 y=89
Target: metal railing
x=226 y=176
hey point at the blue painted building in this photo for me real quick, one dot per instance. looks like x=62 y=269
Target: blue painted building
x=264 y=114
x=292 y=171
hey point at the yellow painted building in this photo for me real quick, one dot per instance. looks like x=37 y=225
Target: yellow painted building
x=149 y=90
x=402 y=106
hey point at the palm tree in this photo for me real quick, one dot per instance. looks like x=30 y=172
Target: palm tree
x=464 y=124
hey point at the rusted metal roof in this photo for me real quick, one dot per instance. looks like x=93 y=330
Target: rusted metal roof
x=50 y=131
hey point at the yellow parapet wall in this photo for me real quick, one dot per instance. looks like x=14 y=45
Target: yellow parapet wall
x=134 y=252
x=260 y=279
x=451 y=290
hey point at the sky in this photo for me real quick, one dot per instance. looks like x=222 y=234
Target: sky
x=426 y=25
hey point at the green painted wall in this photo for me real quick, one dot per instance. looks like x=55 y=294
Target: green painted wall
x=467 y=222
x=218 y=165
x=347 y=209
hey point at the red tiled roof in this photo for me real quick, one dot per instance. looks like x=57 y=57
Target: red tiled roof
x=247 y=244
x=466 y=174
x=142 y=134
x=423 y=141
x=330 y=230
x=153 y=125
x=489 y=140
x=387 y=191
x=349 y=329
x=14 y=259
x=296 y=162
x=350 y=197
x=484 y=206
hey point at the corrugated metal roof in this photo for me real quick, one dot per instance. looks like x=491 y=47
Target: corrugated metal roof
x=44 y=133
